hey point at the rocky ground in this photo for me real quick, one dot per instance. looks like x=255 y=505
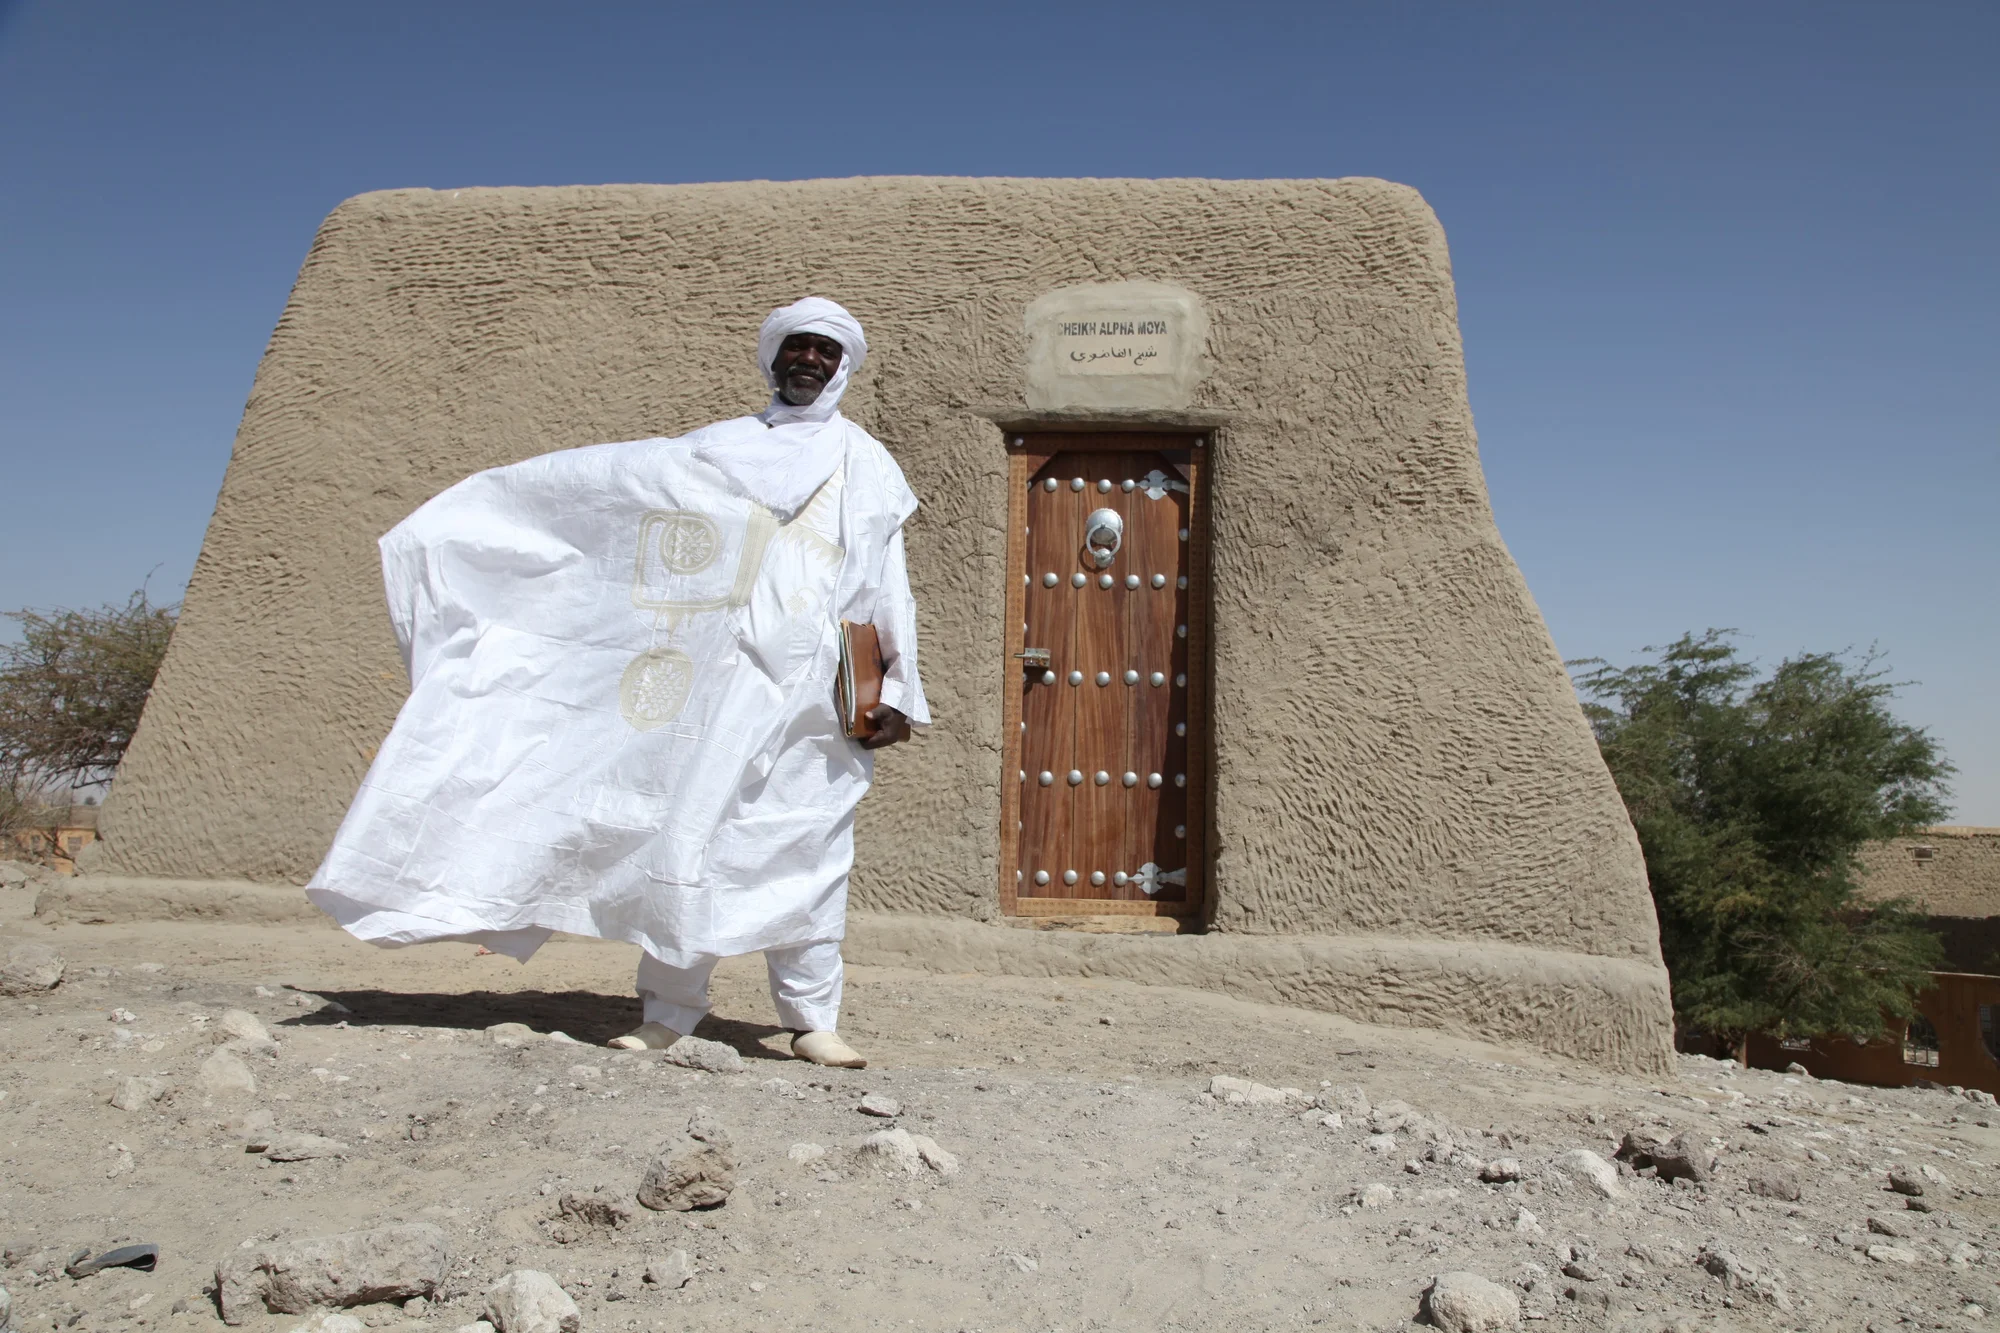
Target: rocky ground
x=1071 y=1155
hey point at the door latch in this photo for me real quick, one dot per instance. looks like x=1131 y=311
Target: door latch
x=1034 y=659
x=1103 y=534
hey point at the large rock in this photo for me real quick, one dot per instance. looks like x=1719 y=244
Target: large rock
x=30 y=969
x=528 y=1300
x=694 y=1171
x=1678 y=1158
x=1468 y=1303
x=354 y=1268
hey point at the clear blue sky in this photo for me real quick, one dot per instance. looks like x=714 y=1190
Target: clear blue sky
x=1729 y=274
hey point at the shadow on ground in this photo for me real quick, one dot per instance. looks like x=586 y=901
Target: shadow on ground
x=589 y=1017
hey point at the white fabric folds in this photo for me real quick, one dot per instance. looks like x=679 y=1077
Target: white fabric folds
x=621 y=718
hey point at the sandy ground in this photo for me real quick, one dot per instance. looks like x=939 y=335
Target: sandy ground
x=1101 y=1183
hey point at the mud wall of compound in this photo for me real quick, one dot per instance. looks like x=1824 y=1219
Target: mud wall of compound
x=1399 y=752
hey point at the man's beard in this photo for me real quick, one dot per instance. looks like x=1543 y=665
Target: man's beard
x=802 y=390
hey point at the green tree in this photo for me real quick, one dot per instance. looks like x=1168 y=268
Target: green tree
x=71 y=691
x=1751 y=799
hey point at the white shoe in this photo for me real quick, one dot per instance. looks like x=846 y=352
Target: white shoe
x=646 y=1037
x=825 y=1048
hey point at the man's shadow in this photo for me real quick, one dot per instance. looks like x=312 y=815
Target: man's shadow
x=591 y=1018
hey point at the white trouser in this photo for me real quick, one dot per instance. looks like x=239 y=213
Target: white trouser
x=805 y=985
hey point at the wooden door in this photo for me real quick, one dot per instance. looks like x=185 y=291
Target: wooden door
x=1105 y=777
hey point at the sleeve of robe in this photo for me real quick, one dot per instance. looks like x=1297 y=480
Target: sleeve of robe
x=896 y=624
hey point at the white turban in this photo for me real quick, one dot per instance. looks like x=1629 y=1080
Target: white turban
x=814 y=314
x=792 y=450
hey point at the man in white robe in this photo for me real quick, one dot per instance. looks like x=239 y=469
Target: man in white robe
x=621 y=719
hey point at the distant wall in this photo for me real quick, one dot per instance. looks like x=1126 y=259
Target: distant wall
x=1398 y=751
x=1952 y=870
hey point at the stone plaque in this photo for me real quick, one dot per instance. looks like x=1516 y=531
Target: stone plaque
x=1115 y=345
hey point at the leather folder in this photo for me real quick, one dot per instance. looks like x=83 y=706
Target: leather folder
x=858 y=687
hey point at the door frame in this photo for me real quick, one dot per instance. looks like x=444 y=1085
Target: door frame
x=1027 y=452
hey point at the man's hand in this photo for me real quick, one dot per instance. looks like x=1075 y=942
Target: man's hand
x=891 y=726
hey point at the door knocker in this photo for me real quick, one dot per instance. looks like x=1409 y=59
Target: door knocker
x=1103 y=534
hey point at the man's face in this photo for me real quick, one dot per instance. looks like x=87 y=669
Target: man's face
x=803 y=365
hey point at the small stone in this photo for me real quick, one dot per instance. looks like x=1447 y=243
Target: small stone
x=1892 y=1254
x=1381 y=1143
x=1242 y=1092
x=1526 y=1222
x=302 y=1147
x=877 y=1104
x=1461 y=1302
x=1965 y=1253
x=1780 y=1185
x=560 y=1038
x=803 y=1153
x=223 y=1074
x=1745 y=1276
x=476 y=1326
x=6 y=1310
x=1889 y=1226
x=1905 y=1181
x=1798 y=1070
x=417 y=1307
x=1582 y=1271
x=670 y=1273
x=1934 y=1176
x=327 y=1321
x=894 y=1149
x=257 y=1123
x=1593 y=1170
x=705 y=1128
x=30 y=969
x=595 y=1210
x=1500 y=1171
x=711 y=1057
x=122 y=1016
x=530 y=1301
x=1377 y=1195
x=934 y=1157
x=240 y=1025
x=511 y=1035
x=138 y=1092
x=1106 y=1020
x=1021 y=1262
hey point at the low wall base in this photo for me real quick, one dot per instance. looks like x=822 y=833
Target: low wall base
x=1608 y=1012
x=1605 y=1011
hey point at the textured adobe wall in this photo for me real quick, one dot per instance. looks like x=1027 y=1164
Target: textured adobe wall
x=1401 y=755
